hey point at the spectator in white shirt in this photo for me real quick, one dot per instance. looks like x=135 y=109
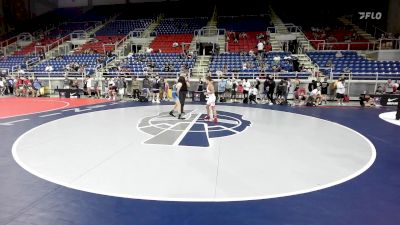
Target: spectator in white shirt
x=316 y=94
x=260 y=48
x=340 y=89
x=253 y=92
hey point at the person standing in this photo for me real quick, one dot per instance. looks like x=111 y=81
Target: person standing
x=2 y=86
x=156 y=89
x=324 y=89
x=271 y=90
x=182 y=89
x=146 y=86
x=340 y=89
x=246 y=88
x=253 y=92
x=175 y=98
x=210 y=106
x=135 y=88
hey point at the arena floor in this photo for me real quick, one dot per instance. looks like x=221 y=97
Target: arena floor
x=81 y=161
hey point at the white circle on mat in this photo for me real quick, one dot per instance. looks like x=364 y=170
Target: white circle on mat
x=280 y=154
x=390 y=117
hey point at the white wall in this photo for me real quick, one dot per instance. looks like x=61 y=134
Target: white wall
x=72 y=3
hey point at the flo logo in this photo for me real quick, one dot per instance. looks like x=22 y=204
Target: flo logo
x=193 y=131
x=370 y=15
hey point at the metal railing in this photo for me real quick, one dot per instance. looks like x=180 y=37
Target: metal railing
x=254 y=75
x=389 y=43
x=9 y=41
x=142 y=74
x=209 y=31
x=346 y=45
x=47 y=48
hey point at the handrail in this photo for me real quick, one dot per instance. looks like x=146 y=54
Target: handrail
x=32 y=61
x=9 y=41
x=370 y=45
x=54 y=44
x=386 y=41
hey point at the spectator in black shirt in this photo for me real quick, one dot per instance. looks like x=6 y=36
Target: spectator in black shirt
x=324 y=89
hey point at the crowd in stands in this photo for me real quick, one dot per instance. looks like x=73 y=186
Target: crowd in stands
x=20 y=86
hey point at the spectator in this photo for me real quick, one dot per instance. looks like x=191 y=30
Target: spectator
x=281 y=92
x=366 y=100
x=146 y=86
x=271 y=90
x=339 y=54
x=389 y=87
x=324 y=90
x=135 y=88
x=340 y=90
x=260 y=48
x=2 y=86
x=10 y=85
x=234 y=89
x=300 y=96
x=253 y=92
x=329 y=63
x=162 y=90
x=121 y=87
x=246 y=88
x=316 y=94
x=37 y=85
x=66 y=82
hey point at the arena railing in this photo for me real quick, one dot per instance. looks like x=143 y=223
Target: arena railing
x=389 y=43
x=9 y=41
x=347 y=45
x=32 y=61
x=371 y=78
x=366 y=75
x=254 y=75
x=209 y=31
x=47 y=48
x=293 y=28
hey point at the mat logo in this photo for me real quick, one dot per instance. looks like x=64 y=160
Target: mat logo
x=370 y=15
x=193 y=131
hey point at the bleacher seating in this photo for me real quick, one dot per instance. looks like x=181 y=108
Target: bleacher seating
x=12 y=61
x=244 y=44
x=164 y=42
x=123 y=27
x=97 y=44
x=180 y=25
x=139 y=62
x=358 y=65
x=89 y=60
x=30 y=49
x=234 y=62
